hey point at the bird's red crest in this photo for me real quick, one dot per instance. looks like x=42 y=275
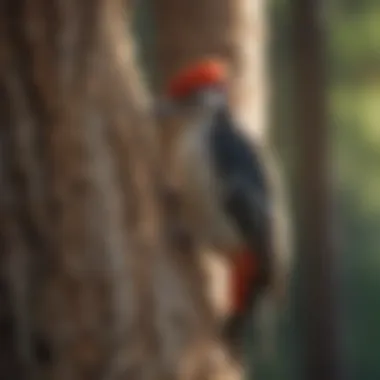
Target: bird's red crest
x=203 y=73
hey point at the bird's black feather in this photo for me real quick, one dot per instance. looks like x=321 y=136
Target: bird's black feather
x=240 y=169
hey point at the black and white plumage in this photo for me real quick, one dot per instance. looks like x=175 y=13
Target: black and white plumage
x=226 y=185
x=224 y=180
x=227 y=192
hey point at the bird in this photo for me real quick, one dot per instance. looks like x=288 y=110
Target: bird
x=225 y=183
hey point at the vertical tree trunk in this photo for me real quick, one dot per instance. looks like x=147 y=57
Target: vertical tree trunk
x=317 y=248
x=92 y=287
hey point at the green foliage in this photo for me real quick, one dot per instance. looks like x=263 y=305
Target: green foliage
x=354 y=37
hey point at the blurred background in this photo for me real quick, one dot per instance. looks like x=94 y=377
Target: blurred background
x=353 y=89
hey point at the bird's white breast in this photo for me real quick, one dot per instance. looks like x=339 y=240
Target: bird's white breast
x=203 y=191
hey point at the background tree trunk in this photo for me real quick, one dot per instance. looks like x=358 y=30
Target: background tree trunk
x=91 y=287
x=317 y=250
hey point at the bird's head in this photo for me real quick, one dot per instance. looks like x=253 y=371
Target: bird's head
x=197 y=87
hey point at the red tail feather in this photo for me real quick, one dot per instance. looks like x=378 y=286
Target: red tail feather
x=243 y=271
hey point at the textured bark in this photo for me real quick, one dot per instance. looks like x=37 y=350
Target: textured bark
x=235 y=30
x=90 y=286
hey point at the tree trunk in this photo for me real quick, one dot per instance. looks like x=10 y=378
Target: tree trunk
x=187 y=30
x=91 y=287
x=317 y=254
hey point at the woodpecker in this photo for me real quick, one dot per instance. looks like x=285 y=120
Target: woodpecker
x=226 y=184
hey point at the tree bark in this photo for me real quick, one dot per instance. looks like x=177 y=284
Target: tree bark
x=317 y=250
x=90 y=282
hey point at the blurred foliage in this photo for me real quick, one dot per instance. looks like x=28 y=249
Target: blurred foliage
x=353 y=61
x=354 y=56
